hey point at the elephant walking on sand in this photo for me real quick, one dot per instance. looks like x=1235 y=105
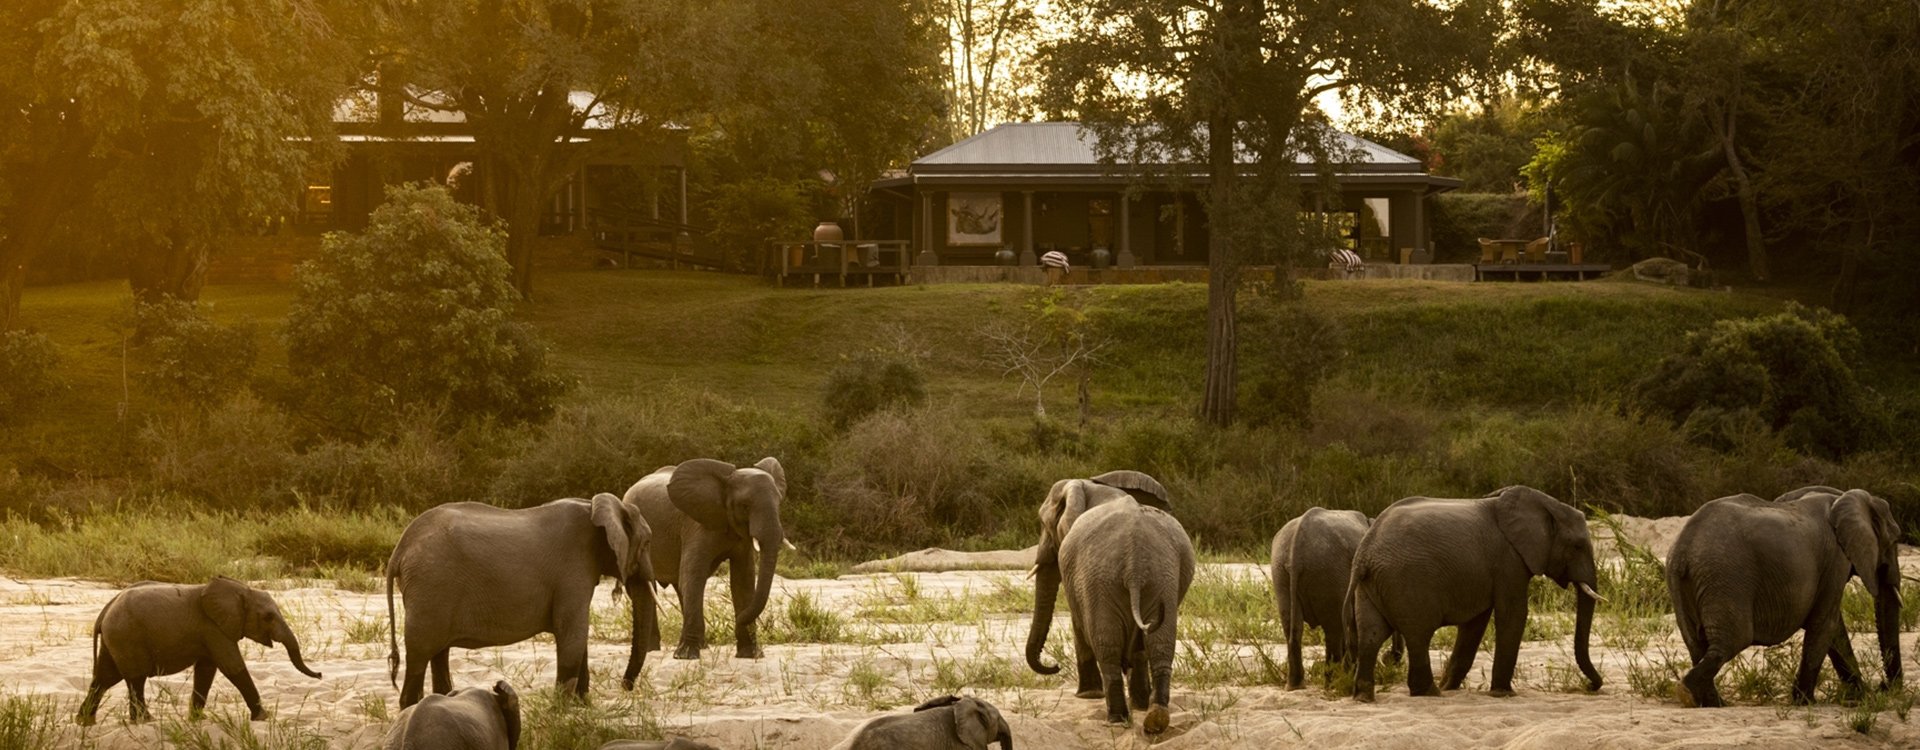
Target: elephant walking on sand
x=1065 y=502
x=1749 y=572
x=468 y=719
x=1427 y=563
x=1126 y=568
x=949 y=722
x=703 y=513
x=1312 y=559
x=474 y=576
x=157 y=629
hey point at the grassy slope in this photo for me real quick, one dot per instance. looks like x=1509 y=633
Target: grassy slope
x=1450 y=344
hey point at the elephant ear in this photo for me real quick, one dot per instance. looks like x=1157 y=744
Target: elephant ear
x=771 y=466
x=972 y=723
x=944 y=700
x=508 y=701
x=224 y=602
x=613 y=518
x=1065 y=502
x=1144 y=488
x=699 y=489
x=1527 y=523
x=1857 y=527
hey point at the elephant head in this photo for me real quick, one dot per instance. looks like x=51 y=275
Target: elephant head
x=1551 y=538
x=975 y=722
x=1065 y=502
x=742 y=503
x=1869 y=536
x=508 y=701
x=241 y=612
x=628 y=536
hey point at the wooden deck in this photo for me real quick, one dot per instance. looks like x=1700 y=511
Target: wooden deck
x=844 y=261
x=1539 y=271
x=630 y=234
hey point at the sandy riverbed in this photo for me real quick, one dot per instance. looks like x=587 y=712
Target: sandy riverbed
x=812 y=695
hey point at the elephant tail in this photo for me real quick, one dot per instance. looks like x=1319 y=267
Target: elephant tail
x=1133 y=594
x=393 y=638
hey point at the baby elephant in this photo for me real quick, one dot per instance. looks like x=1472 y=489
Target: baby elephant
x=677 y=743
x=466 y=719
x=160 y=628
x=945 y=723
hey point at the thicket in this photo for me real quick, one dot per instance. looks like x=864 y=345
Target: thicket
x=27 y=360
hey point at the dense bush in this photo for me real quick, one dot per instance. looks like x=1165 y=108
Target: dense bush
x=868 y=382
x=190 y=356
x=415 y=311
x=1459 y=220
x=236 y=455
x=912 y=477
x=1792 y=372
x=1286 y=351
x=26 y=371
x=414 y=467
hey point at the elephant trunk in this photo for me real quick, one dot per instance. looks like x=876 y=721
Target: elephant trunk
x=646 y=625
x=1583 y=632
x=1004 y=735
x=1886 y=621
x=284 y=635
x=1046 y=590
x=767 y=532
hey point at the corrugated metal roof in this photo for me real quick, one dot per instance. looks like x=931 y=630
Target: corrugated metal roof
x=1068 y=144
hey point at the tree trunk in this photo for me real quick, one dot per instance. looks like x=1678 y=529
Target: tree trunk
x=1757 y=265
x=517 y=198
x=1223 y=277
x=172 y=267
x=13 y=279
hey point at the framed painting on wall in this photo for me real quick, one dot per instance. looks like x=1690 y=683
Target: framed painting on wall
x=973 y=219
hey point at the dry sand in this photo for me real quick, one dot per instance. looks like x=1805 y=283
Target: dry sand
x=808 y=696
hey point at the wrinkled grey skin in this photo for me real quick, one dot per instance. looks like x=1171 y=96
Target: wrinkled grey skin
x=1065 y=502
x=676 y=743
x=1426 y=563
x=158 y=629
x=468 y=719
x=474 y=576
x=1749 y=572
x=706 y=512
x=1126 y=568
x=1311 y=561
x=945 y=723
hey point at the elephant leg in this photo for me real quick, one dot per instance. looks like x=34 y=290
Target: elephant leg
x=1419 y=663
x=1160 y=647
x=570 y=652
x=106 y=674
x=442 y=672
x=1113 y=676
x=740 y=577
x=1086 y=664
x=1844 y=664
x=693 y=615
x=1139 y=690
x=234 y=667
x=1466 y=645
x=1808 y=676
x=1296 y=668
x=137 y=700
x=1509 y=625
x=1368 y=632
x=203 y=671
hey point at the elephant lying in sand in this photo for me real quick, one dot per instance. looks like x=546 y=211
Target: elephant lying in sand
x=469 y=719
x=945 y=723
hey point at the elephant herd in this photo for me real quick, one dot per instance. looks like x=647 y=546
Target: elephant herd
x=1743 y=571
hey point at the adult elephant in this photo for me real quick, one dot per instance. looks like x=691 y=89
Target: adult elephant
x=1426 y=563
x=1312 y=557
x=473 y=575
x=705 y=512
x=1750 y=572
x=1065 y=502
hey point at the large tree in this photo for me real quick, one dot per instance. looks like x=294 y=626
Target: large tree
x=1232 y=85
x=44 y=149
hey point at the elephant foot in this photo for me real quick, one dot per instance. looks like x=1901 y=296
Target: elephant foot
x=258 y=714
x=1119 y=719
x=1501 y=693
x=1157 y=720
x=1091 y=694
x=84 y=720
x=1427 y=690
x=686 y=652
x=749 y=652
x=1365 y=696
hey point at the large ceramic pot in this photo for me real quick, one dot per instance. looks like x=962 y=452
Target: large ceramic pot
x=1102 y=258
x=828 y=231
x=1006 y=256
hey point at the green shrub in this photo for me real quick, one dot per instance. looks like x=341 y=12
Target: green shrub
x=309 y=539
x=1160 y=446
x=415 y=312
x=26 y=371
x=236 y=455
x=868 y=382
x=605 y=445
x=414 y=467
x=911 y=478
x=1286 y=351
x=190 y=356
x=1792 y=371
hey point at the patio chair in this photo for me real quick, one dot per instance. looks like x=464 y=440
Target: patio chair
x=1537 y=250
x=1489 y=250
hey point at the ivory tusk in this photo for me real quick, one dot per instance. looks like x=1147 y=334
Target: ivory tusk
x=756 y=545
x=789 y=544
x=1595 y=595
x=1033 y=571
